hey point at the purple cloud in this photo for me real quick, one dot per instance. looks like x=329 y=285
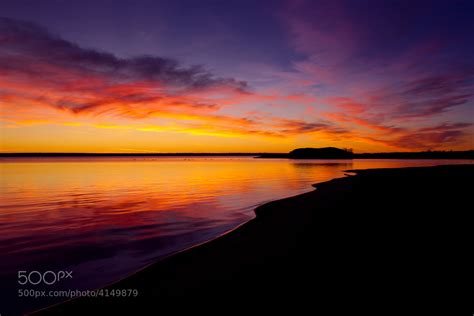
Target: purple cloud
x=24 y=44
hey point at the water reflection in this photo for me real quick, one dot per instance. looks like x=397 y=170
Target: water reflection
x=339 y=164
x=106 y=217
x=80 y=212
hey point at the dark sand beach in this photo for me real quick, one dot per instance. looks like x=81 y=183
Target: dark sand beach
x=379 y=237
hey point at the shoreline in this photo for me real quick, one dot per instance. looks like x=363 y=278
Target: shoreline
x=273 y=255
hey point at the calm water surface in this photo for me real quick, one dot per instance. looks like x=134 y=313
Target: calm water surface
x=104 y=218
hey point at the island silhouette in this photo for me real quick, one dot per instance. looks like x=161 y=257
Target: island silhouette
x=343 y=153
x=314 y=153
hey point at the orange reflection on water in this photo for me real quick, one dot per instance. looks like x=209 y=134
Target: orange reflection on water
x=106 y=217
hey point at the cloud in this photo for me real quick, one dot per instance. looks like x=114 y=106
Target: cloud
x=39 y=68
x=391 y=63
x=293 y=127
x=347 y=85
x=24 y=41
x=41 y=72
x=382 y=74
x=446 y=127
x=425 y=96
x=428 y=141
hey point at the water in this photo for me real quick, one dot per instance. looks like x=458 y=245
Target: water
x=104 y=218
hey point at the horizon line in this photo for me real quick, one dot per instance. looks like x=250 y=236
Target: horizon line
x=205 y=153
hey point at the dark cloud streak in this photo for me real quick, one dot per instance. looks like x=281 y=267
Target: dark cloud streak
x=28 y=42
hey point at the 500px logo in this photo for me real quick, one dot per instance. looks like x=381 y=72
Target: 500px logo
x=47 y=277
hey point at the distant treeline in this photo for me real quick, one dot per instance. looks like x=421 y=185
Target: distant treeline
x=300 y=153
x=123 y=154
x=468 y=154
x=337 y=153
x=314 y=153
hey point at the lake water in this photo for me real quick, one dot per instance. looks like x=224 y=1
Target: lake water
x=104 y=218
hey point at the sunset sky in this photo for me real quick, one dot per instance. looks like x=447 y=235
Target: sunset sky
x=235 y=76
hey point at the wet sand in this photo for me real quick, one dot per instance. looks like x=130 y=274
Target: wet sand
x=381 y=237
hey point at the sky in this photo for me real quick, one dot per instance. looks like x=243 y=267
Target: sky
x=235 y=76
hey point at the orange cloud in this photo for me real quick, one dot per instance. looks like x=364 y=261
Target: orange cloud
x=45 y=80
